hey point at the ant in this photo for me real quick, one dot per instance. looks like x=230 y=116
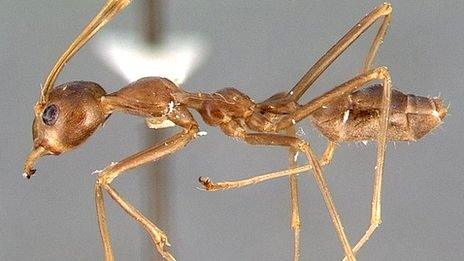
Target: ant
x=66 y=115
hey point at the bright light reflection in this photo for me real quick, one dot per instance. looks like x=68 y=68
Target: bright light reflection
x=175 y=58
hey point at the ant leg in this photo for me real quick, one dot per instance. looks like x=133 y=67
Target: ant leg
x=233 y=129
x=158 y=236
x=379 y=167
x=326 y=60
x=270 y=139
x=317 y=69
x=378 y=40
x=343 y=89
x=376 y=206
x=169 y=146
x=295 y=218
x=328 y=153
x=379 y=73
x=209 y=185
x=215 y=186
x=104 y=232
x=105 y=178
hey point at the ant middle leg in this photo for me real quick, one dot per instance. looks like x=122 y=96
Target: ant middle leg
x=295 y=208
x=279 y=140
x=209 y=185
x=380 y=73
x=234 y=129
x=323 y=63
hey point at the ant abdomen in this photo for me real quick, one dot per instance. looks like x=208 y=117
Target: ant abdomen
x=356 y=117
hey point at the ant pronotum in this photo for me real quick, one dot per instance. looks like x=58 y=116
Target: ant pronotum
x=66 y=115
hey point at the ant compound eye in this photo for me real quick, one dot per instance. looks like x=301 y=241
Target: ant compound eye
x=50 y=115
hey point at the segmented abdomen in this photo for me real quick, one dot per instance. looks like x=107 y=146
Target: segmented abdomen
x=356 y=117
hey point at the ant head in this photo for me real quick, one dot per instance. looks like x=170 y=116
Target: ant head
x=71 y=113
x=67 y=115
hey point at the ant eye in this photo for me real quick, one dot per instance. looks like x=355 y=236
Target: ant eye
x=50 y=115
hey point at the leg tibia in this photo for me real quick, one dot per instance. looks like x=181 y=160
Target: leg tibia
x=295 y=208
x=110 y=173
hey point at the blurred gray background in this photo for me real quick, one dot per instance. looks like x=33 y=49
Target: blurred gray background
x=260 y=47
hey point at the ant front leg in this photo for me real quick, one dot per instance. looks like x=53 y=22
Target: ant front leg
x=154 y=153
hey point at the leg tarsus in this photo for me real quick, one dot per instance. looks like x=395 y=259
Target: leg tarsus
x=364 y=238
x=104 y=179
x=298 y=144
x=208 y=185
x=295 y=216
x=301 y=145
x=157 y=235
x=328 y=153
x=106 y=241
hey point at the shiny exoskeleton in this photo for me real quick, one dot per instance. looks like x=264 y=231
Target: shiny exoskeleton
x=66 y=115
x=355 y=117
x=81 y=107
x=84 y=106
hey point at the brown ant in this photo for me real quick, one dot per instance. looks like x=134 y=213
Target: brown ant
x=66 y=115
